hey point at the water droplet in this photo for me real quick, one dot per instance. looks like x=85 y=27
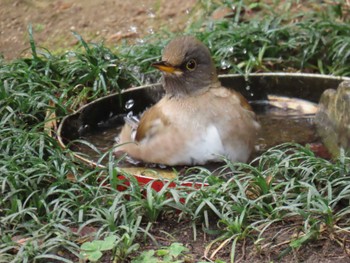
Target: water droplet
x=230 y=50
x=133 y=29
x=151 y=14
x=131 y=160
x=140 y=41
x=261 y=144
x=70 y=54
x=247 y=88
x=129 y=104
x=225 y=64
x=152 y=165
x=244 y=51
x=150 y=30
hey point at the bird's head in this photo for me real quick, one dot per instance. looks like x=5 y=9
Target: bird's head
x=187 y=67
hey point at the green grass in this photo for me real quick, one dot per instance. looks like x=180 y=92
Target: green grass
x=41 y=206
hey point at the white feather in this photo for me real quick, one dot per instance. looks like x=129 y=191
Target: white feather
x=206 y=147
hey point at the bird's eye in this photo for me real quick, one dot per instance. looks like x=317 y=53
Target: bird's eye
x=191 y=64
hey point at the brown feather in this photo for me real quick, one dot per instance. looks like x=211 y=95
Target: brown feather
x=244 y=103
x=151 y=122
x=219 y=91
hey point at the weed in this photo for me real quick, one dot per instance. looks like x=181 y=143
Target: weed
x=173 y=253
x=93 y=250
x=48 y=199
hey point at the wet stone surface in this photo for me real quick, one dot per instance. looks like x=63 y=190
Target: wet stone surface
x=333 y=118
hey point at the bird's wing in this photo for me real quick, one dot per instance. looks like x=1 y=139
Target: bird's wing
x=152 y=122
x=226 y=93
x=132 y=121
x=243 y=101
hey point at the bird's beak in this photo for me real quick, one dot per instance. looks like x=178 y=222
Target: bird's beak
x=165 y=66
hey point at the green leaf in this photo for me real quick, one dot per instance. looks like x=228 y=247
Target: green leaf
x=108 y=243
x=305 y=238
x=94 y=256
x=177 y=249
x=162 y=252
x=146 y=256
x=89 y=246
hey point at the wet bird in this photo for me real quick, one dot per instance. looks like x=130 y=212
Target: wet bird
x=198 y=120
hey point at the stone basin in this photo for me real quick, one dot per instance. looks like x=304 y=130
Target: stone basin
x=109 y=112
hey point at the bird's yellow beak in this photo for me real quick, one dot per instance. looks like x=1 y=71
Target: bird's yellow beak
x=165 y=67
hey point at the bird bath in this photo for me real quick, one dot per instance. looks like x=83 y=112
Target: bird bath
x=285 y=104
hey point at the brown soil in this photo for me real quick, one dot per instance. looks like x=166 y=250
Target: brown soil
x=111 y=21
x=108 y=20
x=274 y=243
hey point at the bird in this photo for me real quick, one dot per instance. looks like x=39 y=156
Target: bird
x=197 y=121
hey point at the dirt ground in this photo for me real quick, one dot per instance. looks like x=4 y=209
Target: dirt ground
x=108 y=20
x=274 y=243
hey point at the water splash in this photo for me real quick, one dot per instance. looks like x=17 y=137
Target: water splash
x=151 y=13
x=130 y=115
x=248 y=88
x=225 y=64
x=150 y=30
x=129 y=104
x=261 y=144
x=133 y=29
x=140 y=41
x=71 y=54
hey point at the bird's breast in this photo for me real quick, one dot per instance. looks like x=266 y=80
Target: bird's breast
x=204 y=146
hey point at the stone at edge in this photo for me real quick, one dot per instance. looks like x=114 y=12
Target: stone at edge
x=333 y=119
